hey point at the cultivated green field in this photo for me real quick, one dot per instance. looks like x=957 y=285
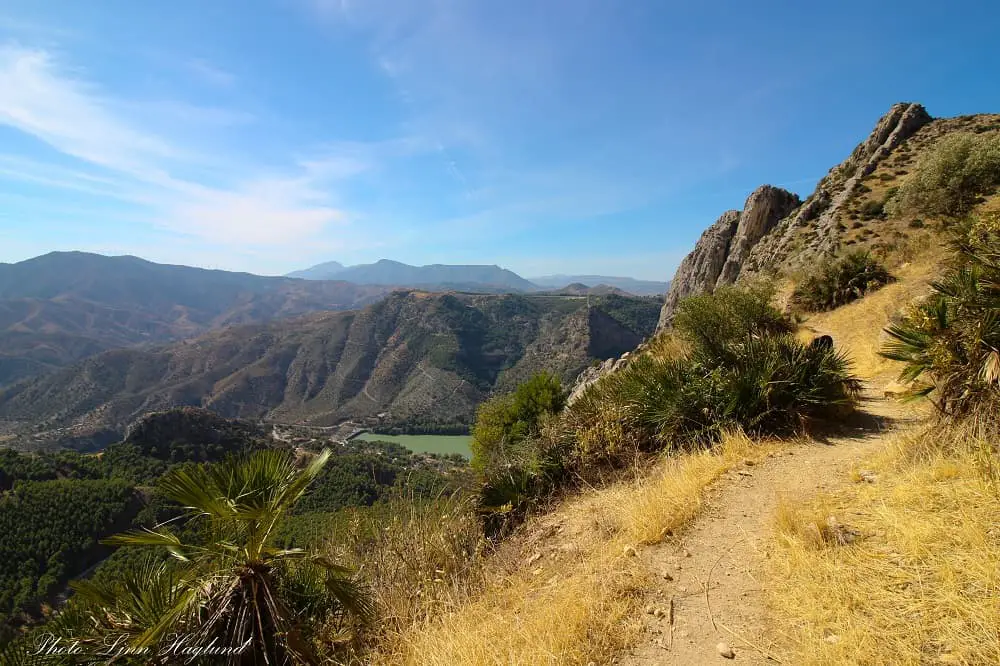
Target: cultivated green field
x=425 y=443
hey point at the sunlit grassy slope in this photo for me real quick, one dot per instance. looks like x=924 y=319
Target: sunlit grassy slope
x=857 y=327
x=919 y=580
x=921 y=584
x=567 y=589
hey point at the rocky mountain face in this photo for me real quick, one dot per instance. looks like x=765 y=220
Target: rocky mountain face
x=776 y=231
x=812 y=232
x=723 y=248
x=412 y=358
x=58 y=308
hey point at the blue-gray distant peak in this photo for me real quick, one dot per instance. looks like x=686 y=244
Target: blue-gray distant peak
x=388 y=272
x=324 y=271
x=631 y=285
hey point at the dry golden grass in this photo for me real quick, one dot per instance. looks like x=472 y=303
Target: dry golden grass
x=920 y=584
x=855 y=327
x=568 y=588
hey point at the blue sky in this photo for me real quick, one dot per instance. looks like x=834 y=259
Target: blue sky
x=547 y=136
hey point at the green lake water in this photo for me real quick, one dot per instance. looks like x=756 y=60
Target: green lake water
x=425 y=443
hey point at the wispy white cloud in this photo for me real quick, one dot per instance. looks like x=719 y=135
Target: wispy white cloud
x=68 y=114
x=210 y=73
x=121 y=159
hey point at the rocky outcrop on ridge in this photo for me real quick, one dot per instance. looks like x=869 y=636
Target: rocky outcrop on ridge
x=773 y=231
x=719 y=255
x=811 y=232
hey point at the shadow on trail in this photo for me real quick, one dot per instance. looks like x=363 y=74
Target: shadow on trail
x=860 y=424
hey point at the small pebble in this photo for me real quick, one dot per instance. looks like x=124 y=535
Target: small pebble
x=725 y=651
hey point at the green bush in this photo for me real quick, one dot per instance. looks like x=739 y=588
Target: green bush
x=872 y=210
x=951 y=178
x=739 y=366
x=714 y=321
x=507 y=452
x=950 y=343
x=838 y=282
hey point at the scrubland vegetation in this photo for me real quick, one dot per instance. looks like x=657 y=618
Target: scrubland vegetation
x=951 y=179
x=839 y=282
x=731 y=361
x=920 y=581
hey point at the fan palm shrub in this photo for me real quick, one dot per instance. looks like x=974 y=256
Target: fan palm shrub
x=227 y=580
x=950 y=343
x=839 y=282
x=737 y=365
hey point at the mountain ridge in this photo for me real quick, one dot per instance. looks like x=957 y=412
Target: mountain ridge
x=62 y=306
x=778 y=234
x=387 y=272
x=421 y=357
x=627 y=284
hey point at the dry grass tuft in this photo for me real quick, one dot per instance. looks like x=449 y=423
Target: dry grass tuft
x=922 y=583
x=568 y=588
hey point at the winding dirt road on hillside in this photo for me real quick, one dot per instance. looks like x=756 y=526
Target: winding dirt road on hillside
x=725 y=549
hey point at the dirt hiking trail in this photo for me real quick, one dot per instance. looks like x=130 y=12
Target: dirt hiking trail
x=725 y=548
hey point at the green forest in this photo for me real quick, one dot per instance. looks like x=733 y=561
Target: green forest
x=56 y=507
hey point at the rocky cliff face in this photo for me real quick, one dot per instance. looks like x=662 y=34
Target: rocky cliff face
x=719 y=255
x=773 y=231
x=811 y=232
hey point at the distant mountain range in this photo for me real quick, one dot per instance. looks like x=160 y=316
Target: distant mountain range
x=483 y=278
x=415 y=358
x=627 y=284
x=63 y=306
x=437 y=277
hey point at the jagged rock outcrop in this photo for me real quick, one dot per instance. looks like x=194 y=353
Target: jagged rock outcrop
x=764 y=208
x=774 y=232
x=719 y=255
x=811 y=232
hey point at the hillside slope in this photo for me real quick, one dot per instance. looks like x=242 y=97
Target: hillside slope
x=672 y=558
x=415 y=358
x=60 y=307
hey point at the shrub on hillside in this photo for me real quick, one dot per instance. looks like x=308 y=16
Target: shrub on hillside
x=741 y=367
x=950 y=343
x=714 y=321
x=842 y=281
x=951 y=178
x=872 y=210
x=506 y=450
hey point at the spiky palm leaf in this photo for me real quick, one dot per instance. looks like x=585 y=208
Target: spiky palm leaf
x=954 y=336
x=233 y=584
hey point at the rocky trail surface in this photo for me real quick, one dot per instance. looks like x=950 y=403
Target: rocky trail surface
x=708 y=604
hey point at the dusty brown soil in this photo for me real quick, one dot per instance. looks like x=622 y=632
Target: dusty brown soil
x=710 y=583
